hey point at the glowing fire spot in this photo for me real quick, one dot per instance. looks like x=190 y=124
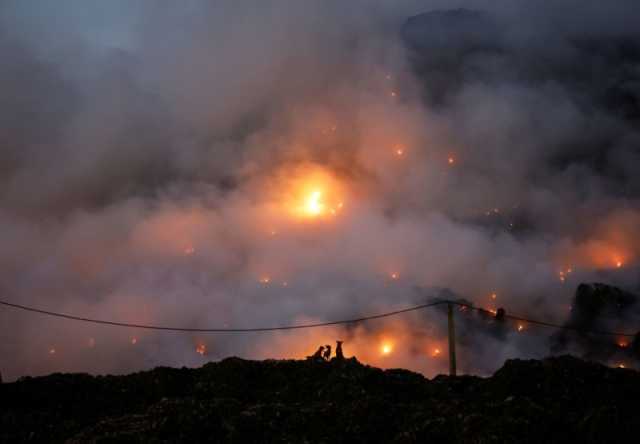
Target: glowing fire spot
x=494 y=296
x=619 y=264
x=621 y=365
x=520 y=327
x=623 y=344
x=201 y=349
x=386 y=348
x=189 y=250
x=313 y=205
x=395 y=276
x=436 y=352
x=265 y=280
x=451 y=160
x=493 y=311
x=134 y=341
x=394 y=94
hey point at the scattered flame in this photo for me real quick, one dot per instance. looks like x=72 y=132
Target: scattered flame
x=313 y=205
x=399 y=150
x=201 y=349
x=623 y=344
x=386 y=348
x=265 y=280
x=493 y=311
x=619 y=264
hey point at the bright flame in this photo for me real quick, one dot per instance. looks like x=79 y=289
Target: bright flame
x=313 y=206
x=395 y=276
x=619 y=264
x=265 y=280
x=201 y=349
x=494 y=296
x=436 y=352
x=520 y=327
x=451 y=160
x=386 y=348
x=622 y=344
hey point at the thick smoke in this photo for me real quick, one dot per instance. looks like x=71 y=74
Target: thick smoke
x=152 y=152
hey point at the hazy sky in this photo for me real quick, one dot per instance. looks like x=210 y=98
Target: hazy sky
x=157 y=162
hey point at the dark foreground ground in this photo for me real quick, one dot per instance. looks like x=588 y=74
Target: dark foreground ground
x=556 y=400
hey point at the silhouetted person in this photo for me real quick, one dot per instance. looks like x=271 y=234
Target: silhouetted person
x=339 y=354
x=327 y=352
x=318 y=354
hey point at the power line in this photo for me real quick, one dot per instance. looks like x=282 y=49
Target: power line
x=311 y=325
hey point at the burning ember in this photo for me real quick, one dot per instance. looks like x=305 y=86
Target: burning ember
x=386 y=348
x=436 y=352
x=494 y=296
x=201 y=349
x=623 y=344
x=265 y=280
x=395 y=276
x=451 y=160
x=520 y=327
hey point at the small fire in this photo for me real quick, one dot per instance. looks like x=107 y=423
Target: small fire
x=619 y=264
x=399 y=150
x=494 y=296
x=451 y=160
x=265 y=280
x=520 y=327
x=493 y=311
x=134 y=341
x=201 y=349
x=621 y=365
x=435 y=353
x=393 y=94
x=386 y=348
x=189 y=250
x=623 y=344
x=395 y=276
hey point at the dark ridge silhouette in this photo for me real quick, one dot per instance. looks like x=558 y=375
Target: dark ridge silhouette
x=561 y=399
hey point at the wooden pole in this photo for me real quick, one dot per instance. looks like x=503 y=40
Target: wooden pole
x=452 y=342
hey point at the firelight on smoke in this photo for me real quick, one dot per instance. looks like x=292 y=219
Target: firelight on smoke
x=386 y=348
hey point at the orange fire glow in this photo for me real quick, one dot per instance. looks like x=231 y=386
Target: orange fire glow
x=309 y=192
x=436 y=352
x=386 y=348
x=201 y=349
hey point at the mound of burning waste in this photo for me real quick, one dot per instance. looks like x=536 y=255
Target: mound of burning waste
x=560 y=399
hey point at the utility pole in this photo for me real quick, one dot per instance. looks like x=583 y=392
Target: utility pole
x=452 y=342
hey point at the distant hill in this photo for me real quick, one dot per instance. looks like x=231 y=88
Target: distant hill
x=561 y=399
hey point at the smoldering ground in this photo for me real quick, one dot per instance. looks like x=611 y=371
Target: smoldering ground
x=155 y=156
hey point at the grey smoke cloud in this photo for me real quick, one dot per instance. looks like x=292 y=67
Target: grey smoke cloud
x=151 y=151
